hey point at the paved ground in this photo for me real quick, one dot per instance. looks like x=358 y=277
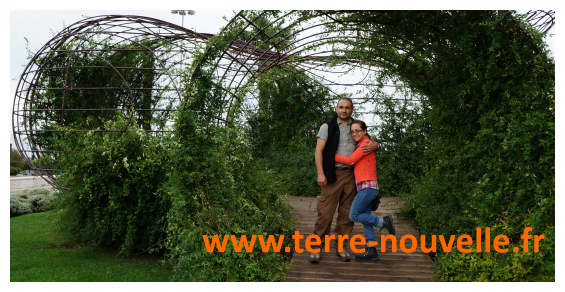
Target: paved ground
x=392 y=266
x=18 y=183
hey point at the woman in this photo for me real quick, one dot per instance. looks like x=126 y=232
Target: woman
x=367 y=190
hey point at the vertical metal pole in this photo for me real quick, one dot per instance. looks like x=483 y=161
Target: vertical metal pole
x=181 y=51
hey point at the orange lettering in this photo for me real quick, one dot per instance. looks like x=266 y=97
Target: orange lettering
x=243 y=242
x=328 y=240
x=460 y=243
x=215 y=242
x=479 y=239
x=443 y=245
x=340 y=239
x=537 y=238
x=354 y=243
x=308 y=243
x=392 y=241
x=423 y=244
x=271 y=241
x=403 y=240
x=497 y=242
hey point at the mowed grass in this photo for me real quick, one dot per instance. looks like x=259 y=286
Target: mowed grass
x=38 y=253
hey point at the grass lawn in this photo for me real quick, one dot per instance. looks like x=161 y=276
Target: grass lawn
x=38 y=254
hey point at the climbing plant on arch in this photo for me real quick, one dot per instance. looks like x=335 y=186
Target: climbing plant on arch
x=489 y=152
x=484 y=138
x=490 y=156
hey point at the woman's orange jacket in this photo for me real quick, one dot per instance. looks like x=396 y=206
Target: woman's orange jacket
x=365 y=165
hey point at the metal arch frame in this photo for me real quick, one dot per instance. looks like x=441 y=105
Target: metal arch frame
x=246 y=56
x=543 y=21
x=246 y=61
x=125 y=28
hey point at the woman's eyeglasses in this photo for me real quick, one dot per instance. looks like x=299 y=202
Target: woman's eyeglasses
x=355 y=132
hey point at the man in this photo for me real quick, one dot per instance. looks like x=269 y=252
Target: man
x=336 y=179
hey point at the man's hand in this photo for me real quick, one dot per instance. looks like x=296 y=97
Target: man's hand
x=370 y=147
x=322 y=181
x=320 y=145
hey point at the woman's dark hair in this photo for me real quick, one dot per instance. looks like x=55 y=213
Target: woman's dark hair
x=362 y=125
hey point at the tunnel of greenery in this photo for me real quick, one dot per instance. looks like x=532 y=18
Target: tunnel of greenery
x=477 y=150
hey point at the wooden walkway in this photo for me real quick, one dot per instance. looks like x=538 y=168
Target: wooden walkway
x=391 y=267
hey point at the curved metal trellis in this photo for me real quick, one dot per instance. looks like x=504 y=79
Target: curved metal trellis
x=302 y=43
x=543 y=21
x=45 y=101
x=56 y=88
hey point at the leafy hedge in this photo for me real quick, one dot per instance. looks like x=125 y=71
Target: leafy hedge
x=217 y=190
x=490 y=152
x=113 y=195
x=31 y=201
x=139 y=192
x=483 y=155
x=15 y=170
x=16 y=159
x=403 y=134
x=294 y=107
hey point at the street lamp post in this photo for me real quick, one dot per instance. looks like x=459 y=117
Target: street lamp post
x=183 y=13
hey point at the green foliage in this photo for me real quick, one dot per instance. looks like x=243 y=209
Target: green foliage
x=503 y=267
x=31 y=201
x=16 y=160
x=403 y=141
x=489 y=154
x=15 y=170
x=482 y=153
x=26 y=166
x=294 y=171
x=111 y=64
x=294 y=107
x=216 y=191
x=138 y=192
x=113 y=194
x=14 y=204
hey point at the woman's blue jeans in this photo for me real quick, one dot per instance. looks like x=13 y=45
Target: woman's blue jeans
x=361 y=212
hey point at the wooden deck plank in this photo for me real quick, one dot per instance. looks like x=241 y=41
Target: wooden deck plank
x=392 y=266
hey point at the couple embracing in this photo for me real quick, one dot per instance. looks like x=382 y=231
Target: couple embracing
x=346 y=165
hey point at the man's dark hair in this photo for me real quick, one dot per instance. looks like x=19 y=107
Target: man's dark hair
x=351 y=101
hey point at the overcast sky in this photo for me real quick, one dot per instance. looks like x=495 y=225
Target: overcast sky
x=38 y=27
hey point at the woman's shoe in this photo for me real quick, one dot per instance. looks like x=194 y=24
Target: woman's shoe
x=387 y=224
x=370 y=254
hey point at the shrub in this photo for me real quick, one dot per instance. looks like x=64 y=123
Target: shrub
x=16 y=159
x=112 y=187
x=282 y=132
x=502 y=267
x=489 y=157
x=31 y=201
x=294 y=172
x=22 y=205
x=14 y=205
x=15 y=170
x=214 y=191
